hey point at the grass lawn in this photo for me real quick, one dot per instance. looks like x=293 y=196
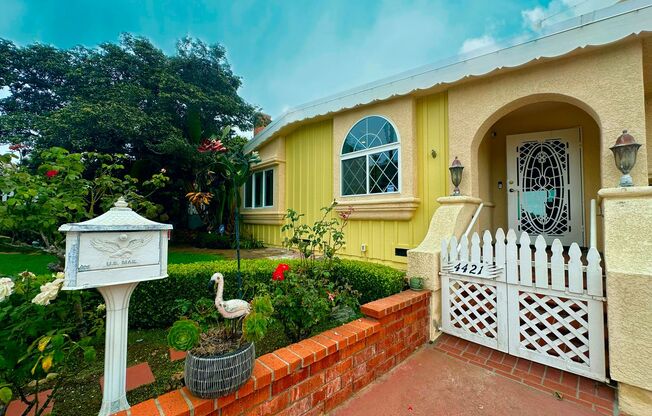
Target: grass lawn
x=37 y=262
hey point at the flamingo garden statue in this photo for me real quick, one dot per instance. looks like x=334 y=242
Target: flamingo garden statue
x=229 y=309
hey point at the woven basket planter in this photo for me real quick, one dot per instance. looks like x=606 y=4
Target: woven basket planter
x=212 y=377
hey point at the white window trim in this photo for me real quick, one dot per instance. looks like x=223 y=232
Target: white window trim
x=368 y=152
x=253 y=191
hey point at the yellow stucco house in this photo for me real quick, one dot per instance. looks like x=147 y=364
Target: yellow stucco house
x=532 y=124
x=385 y=148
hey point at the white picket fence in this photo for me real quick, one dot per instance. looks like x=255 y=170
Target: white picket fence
x=545 y=306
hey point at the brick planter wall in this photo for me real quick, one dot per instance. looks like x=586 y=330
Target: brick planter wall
x=316 y=374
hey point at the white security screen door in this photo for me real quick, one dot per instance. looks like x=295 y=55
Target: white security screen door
x=544 y=184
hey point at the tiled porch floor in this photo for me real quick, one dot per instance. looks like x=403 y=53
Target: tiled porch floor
x=461 y=381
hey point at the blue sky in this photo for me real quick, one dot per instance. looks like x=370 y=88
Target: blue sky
x=293 y=51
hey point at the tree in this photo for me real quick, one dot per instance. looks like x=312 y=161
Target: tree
x=128 y=98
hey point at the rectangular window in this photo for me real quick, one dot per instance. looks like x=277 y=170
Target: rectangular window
x=269 y=188
x=259 y=189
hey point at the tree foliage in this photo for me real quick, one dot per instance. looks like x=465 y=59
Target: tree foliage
x=128 y=98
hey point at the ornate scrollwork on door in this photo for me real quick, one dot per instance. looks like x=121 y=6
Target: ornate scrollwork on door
x=544 y=200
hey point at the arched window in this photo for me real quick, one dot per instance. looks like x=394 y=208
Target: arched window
x=370 y=158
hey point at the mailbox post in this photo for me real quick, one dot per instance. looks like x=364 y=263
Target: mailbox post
x=113 y=253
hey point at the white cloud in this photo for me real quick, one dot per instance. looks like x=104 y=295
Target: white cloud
x=537 y=18
x=483 y=42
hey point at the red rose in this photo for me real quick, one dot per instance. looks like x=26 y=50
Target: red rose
x=51 y=173
x=279 y=272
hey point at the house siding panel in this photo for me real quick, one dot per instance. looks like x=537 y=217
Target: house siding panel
x=309 y=185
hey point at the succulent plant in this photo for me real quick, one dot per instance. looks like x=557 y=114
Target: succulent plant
x=184 y=335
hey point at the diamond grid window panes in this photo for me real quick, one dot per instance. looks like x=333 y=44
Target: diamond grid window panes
x=354 y=176
x=383 y=172
x=370 y=158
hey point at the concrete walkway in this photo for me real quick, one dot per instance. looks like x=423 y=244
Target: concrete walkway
x=432 y=383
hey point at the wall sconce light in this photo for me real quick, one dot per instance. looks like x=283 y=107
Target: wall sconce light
x=624 y=152
x=456 y=169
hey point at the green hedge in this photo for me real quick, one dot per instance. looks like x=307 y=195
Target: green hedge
x=153 y=303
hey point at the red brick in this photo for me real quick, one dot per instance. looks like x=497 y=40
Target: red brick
x=292 y=359
x=510 y=361
x=565 y=390
x=352 y=349
x=262 y=375
x=364 y=355
x=570 y=380
x=587 y=385
x=246 y=403
x=484 y=352
x=370 y=326
x=340 y=339
x=351 y=336
x=379 y=358
x=146 y=408
x=508 y=375
x=246 y=389
x=225 y=401
x=605 y=392
x=553 y=374
x=202 y=407
x=297 y=408
x=177 y=355
x=323 y=341
x=289 y=381
x=306 y=354
x=307 y=387
x=537 y=369
x=275 y=405
x=347 y=378
x=596 y=400
x=279 y=368
x=496 y=356
x=137 y=375
x=17 y=407
x=361 y=382
x=385 y=366
x=318 y=349
x=173 y=404
x=320 y=365
x=373 y=339
x=523 y=365
x=338 y=398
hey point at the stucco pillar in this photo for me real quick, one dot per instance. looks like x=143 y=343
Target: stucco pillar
x=628 y=264
x=451 y=218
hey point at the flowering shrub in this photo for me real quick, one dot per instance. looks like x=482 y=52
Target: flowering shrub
x=307 y=302
x=325 y=236
x=42 y=332
x=66 y=187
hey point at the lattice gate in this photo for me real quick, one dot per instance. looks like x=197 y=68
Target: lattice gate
x=544 y=309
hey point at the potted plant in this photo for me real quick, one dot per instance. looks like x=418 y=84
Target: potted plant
x=220 y=358
x=416 y=283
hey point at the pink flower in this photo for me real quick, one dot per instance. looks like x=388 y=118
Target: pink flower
x=331 y=296
x=51 y=173
x=346 y=214
x=209 y=145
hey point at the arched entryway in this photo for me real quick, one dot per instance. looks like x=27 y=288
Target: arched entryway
x=539 y=167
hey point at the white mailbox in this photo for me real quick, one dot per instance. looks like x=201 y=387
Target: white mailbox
x=112 y=253
x=117 y=247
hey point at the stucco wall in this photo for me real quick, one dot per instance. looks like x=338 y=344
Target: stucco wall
x=607 y=84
